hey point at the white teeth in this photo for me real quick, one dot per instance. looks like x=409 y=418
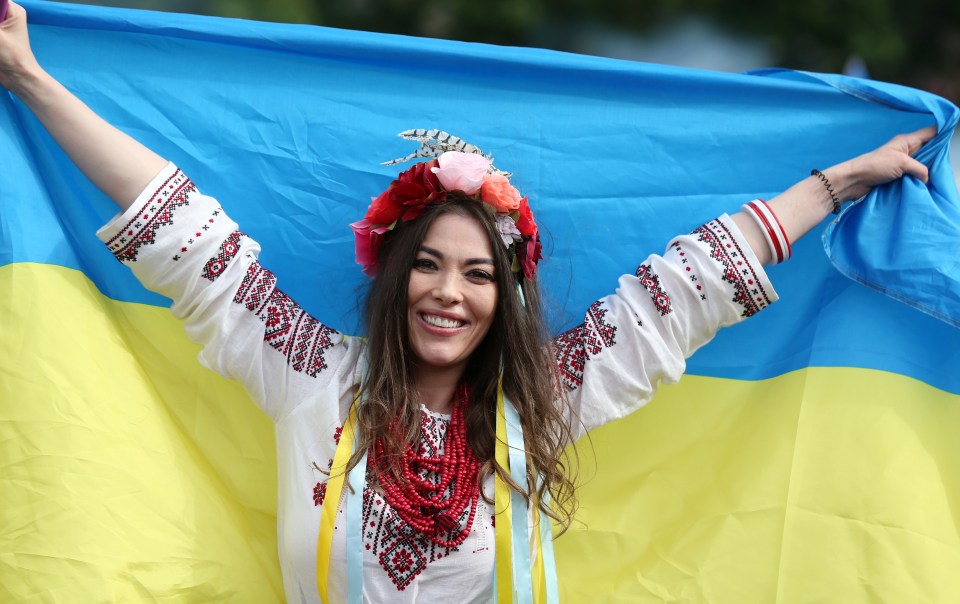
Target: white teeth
x=441 y=321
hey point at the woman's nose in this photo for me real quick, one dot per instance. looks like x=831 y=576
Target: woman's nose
x=447 y=289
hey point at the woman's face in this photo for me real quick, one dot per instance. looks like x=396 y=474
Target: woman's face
x=452 y=293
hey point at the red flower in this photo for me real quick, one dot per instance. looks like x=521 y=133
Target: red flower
x=383 y=210
x=405 y=197
x=526 y=224
x=529 y=253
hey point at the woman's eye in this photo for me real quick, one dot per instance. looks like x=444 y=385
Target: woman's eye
x=424 y=264
x=480 y=275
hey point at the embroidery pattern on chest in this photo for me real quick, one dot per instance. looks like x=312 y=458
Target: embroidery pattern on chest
x=402 y=551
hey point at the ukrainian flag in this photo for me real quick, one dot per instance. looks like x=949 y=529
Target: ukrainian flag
x=810 y=454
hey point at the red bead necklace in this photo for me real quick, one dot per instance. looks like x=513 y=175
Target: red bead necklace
x=420 y=501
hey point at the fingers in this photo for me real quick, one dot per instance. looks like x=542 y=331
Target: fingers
x=15 y=12
x=914 y=140
x=926 y=133
x=917 y=138
x=915 y=168
x=911 y=142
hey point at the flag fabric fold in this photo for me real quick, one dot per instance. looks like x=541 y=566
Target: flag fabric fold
x=808 y=455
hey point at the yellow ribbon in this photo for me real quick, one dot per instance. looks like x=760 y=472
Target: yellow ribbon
x=338 y=474
x=501 y=501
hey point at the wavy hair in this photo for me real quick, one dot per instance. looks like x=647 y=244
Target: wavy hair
x=517 y=335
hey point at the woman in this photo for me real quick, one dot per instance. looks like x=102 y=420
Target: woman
x=445 y=318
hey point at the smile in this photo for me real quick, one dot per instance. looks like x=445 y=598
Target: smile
x=441 y=321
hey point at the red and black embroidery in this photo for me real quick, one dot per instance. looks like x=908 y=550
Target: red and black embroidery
x=651 y=282
x=320 y=489
x=737 y=270
x=256 y=287
x=158 y=212
x=572 y=348
x=402 y=551
x=319 y=493
x=228 y=249
x=677 y=249
x=302 y=339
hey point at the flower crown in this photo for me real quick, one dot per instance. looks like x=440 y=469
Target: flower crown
x=458 y=169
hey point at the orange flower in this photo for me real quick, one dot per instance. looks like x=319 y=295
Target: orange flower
x=497 y=191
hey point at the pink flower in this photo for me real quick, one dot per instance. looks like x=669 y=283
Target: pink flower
x=366 y=238
x=497 y=191
x=461 y=171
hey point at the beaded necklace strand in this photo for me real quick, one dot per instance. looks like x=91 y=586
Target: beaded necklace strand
x=431 y=507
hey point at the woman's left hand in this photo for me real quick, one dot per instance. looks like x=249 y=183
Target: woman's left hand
x=855 y=177
x=807 y=203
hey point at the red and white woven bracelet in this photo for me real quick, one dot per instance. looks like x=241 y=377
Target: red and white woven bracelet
x=771 y=228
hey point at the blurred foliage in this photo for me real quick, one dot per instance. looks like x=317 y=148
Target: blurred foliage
x=915 y=42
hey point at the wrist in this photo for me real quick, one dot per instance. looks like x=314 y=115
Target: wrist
x=834 y=186
x=842 y=180
x=827 y=198
x=24 y=81
x=29 y=84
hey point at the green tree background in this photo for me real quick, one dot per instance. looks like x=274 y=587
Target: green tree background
x=912 y=42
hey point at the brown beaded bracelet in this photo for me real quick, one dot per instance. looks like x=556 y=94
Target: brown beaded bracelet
x=826 y=183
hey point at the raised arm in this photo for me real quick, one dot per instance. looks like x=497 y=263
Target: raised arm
x=630 y=342
x=805 y=204
x=116 y=163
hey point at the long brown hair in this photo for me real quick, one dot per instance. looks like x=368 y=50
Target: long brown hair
x=517 y=335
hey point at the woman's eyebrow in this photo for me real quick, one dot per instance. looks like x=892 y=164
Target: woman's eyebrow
x=432 y=252
x=470 y=261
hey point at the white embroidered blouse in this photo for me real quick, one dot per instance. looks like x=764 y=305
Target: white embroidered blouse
x=302 y=373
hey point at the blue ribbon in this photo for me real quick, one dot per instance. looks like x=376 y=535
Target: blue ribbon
x=522 y=585
x=354 y=520
x=546 y=550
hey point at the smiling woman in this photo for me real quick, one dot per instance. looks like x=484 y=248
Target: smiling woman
x=450 y=422
x=451 y=301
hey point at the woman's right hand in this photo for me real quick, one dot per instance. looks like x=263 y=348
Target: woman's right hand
x=117 y=164
x=16 y=57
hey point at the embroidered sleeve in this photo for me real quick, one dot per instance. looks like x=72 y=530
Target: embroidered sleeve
x=182 y=244
x=673 y=304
